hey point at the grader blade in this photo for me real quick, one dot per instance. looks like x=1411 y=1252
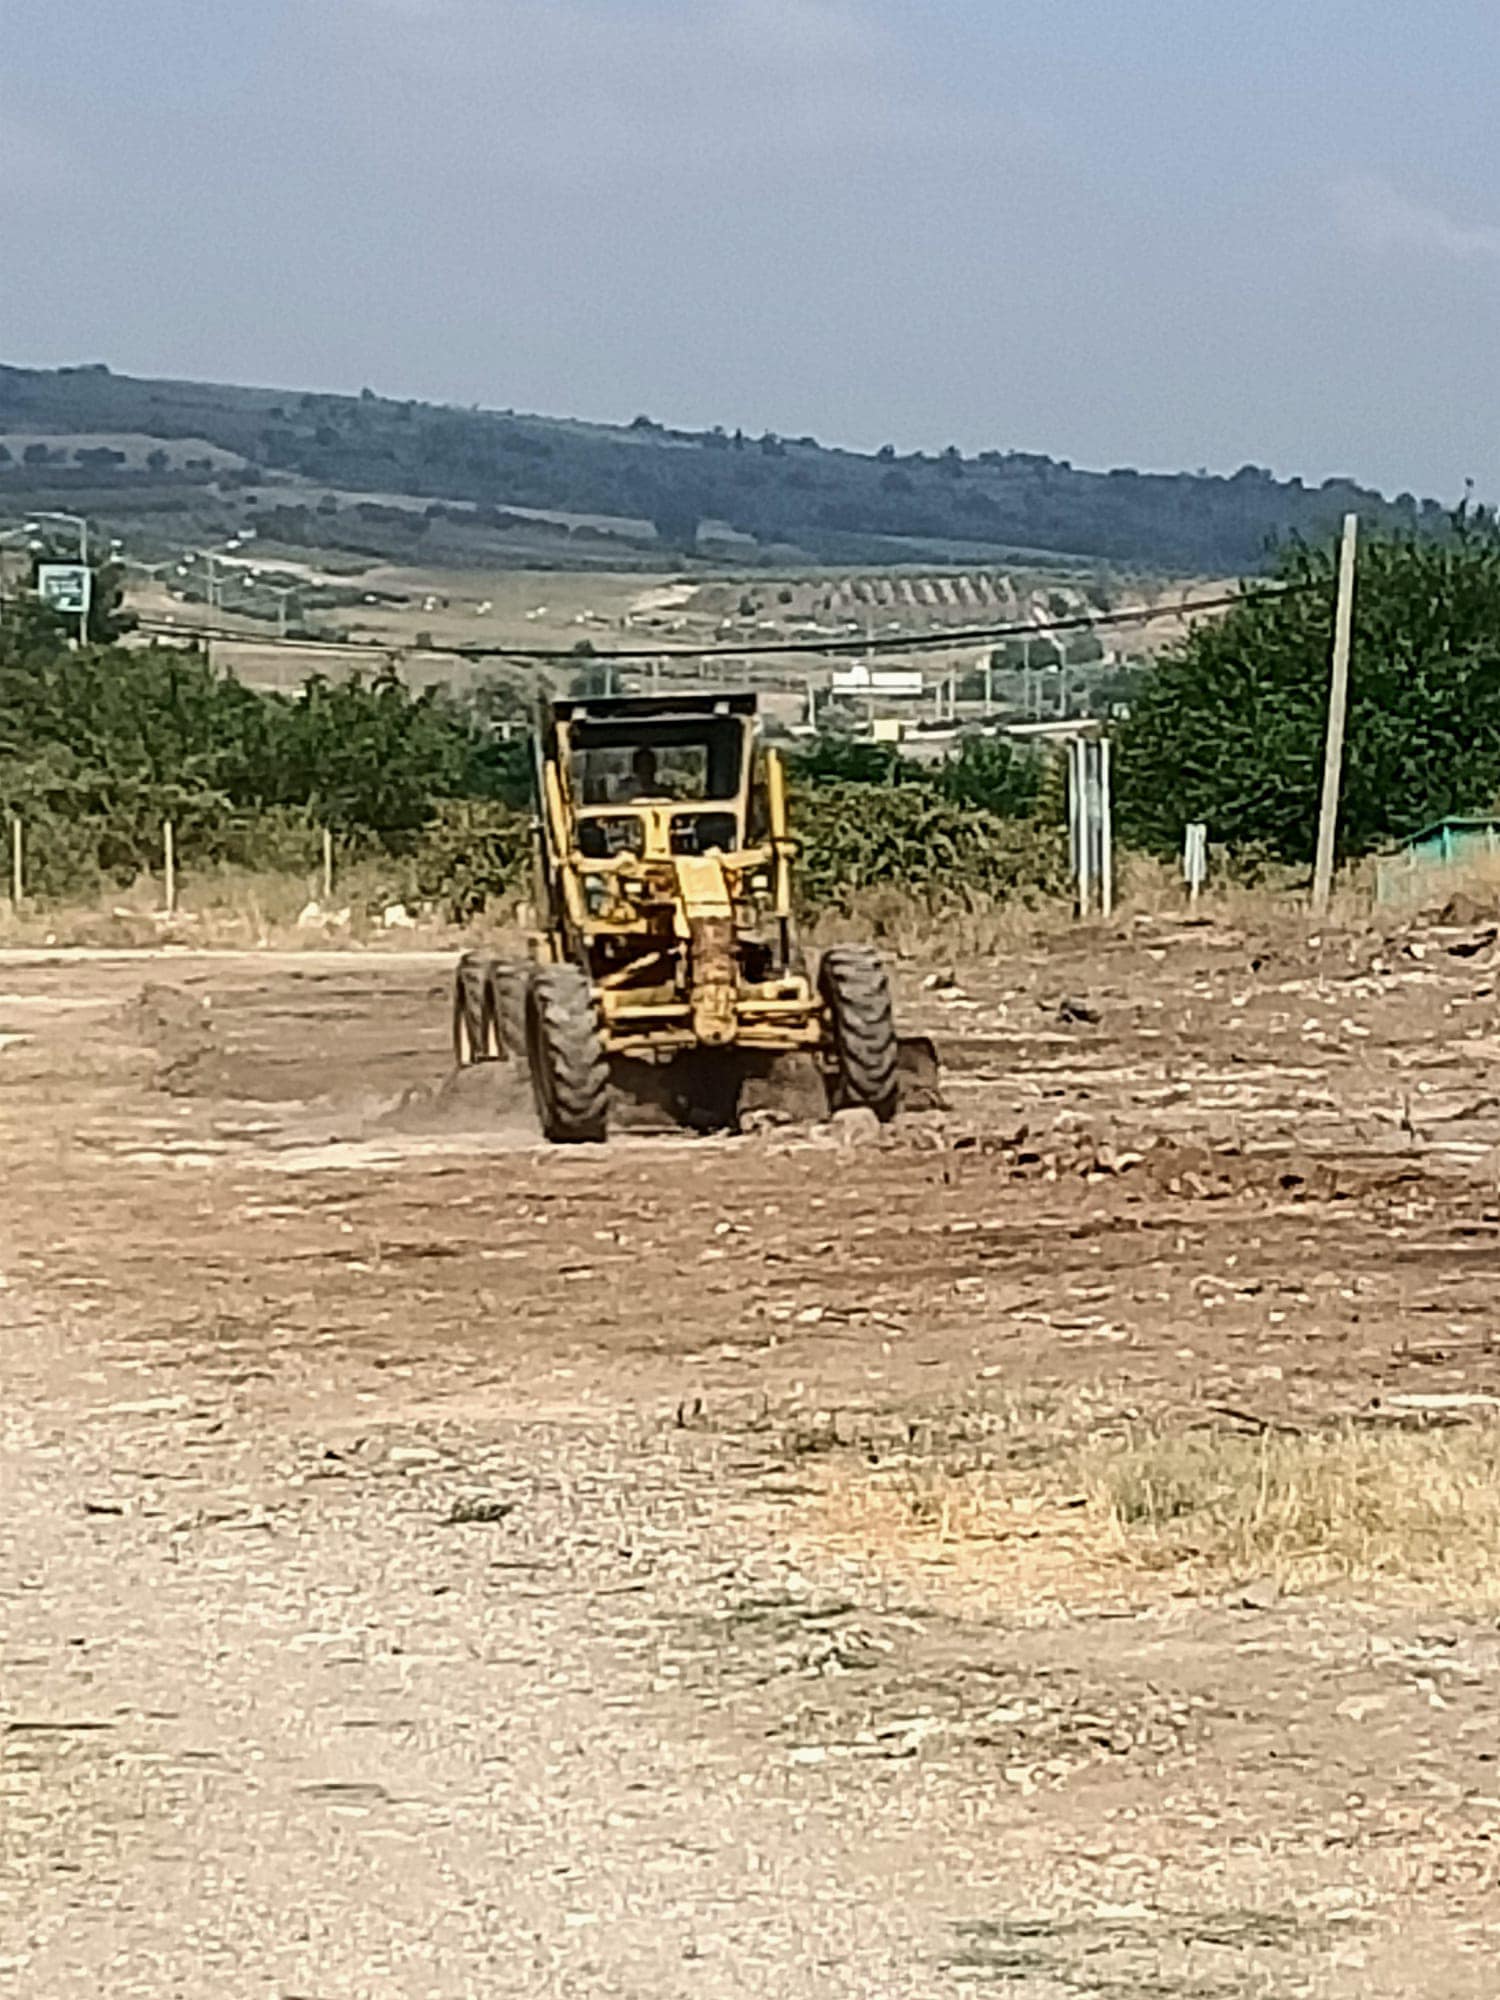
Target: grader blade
x=919 y=1077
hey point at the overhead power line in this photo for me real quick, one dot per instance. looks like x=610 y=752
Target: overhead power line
x=967 y=635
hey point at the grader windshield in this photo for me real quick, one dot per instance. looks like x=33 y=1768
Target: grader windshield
x=685 y=769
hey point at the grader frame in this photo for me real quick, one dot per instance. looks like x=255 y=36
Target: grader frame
x=664 y=865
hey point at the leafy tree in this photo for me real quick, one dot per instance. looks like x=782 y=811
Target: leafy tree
x=472 y=850
x=909 y=838
x=99 y=744
x=992 y=776
x=370 y=754
x=108 y=618
x=676 y=519
x=1229 y=728
x=834 y=759
x=986 y=776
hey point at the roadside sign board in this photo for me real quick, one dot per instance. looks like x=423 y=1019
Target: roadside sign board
x=65 y=586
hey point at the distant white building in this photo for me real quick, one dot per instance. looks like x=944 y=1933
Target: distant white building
x=901 y=683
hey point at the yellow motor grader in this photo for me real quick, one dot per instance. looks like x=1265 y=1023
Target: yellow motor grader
x=665 y=942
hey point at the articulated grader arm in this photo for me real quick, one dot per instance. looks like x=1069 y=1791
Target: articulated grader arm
x=704 y=918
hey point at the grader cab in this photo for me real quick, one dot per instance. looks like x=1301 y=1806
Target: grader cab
x=666 y=938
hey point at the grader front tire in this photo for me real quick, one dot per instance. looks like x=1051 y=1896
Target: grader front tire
x=569 y=1071
x=856 y=991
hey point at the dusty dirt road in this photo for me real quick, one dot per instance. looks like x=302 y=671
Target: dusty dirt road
x=437 y=1566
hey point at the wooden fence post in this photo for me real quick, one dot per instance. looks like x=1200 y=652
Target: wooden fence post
x=169 y=865
x=327 y=866
x=17 y=868
x=1338 y=698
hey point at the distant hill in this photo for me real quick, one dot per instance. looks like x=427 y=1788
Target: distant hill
x=353 y=472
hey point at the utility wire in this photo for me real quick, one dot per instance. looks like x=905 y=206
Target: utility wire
x=967 y=635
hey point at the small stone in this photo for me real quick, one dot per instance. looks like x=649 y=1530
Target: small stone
x=856 y=1125
x=1264 y=1594
x=754 y=1124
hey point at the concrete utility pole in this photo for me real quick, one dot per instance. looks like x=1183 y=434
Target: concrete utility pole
x=1338 y=703
x=1091 y=823
x=1195 y=860
x=1106 y=832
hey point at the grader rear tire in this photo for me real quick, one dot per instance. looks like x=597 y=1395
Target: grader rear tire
x=569 y=1072
x=473 y=1033
x=505 y=1001
x=857 y=993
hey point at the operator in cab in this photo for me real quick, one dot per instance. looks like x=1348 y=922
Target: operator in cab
x=645 y=781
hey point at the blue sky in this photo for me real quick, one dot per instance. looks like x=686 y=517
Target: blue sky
x=1155 y=232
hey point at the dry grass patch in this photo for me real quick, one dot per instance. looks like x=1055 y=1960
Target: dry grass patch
x=1197 y=1509
x=224 y=907
x=1355 y=1504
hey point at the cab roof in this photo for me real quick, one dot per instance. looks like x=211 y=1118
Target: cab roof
x=653 y=707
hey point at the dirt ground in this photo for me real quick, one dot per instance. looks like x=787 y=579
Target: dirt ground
x=433 y=1565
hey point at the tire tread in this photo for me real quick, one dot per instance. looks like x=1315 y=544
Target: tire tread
x=856 y=989
x=570 y=1073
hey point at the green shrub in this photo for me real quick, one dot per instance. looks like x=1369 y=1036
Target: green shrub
x=471 y=851
x=857 y=837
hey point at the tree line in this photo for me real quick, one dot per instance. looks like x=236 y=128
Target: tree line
x=99 y=744
x=1229 y=727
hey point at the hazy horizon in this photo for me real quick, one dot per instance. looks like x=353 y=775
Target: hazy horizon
x=1187 y=239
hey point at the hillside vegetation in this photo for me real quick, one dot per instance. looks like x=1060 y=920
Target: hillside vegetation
x=299 y=462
